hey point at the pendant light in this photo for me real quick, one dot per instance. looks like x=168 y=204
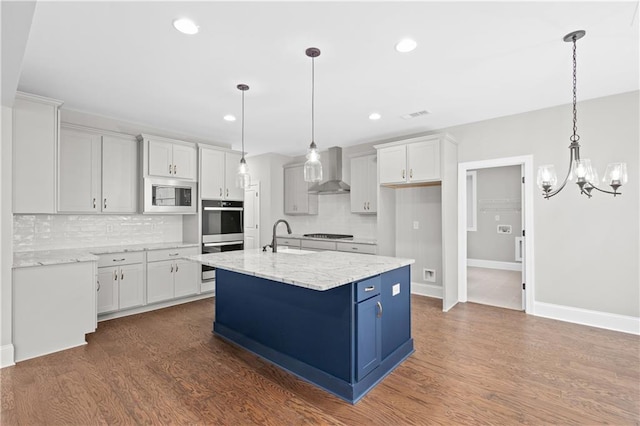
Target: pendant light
x=243 y=179
x=313 y=167
x=580 y=168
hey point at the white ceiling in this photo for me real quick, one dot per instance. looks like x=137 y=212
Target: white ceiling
x=474 y=61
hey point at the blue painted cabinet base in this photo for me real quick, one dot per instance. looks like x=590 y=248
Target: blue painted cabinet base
x=312 y=334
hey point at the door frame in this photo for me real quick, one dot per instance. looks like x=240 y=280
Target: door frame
x=526 y=162
x=255 y=185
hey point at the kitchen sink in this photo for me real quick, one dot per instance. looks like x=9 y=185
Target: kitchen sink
x=293 y=251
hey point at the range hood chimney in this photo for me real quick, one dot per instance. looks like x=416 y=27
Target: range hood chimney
x=332 y=169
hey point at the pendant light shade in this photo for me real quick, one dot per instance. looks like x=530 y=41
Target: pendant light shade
x=580 y=169
x=313 y=166
x=243 y=179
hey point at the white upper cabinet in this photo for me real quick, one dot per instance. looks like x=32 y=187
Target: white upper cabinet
x=96 y=172
x=297 y=199
x=411 y=162
x=364 y=197
x=169 y=158
x=218 y=174
x=35 y=142
x=119 y=174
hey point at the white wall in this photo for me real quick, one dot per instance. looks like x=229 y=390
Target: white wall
x=493 y=186
x=51 y=232
x=586 y=250
x=6 y=254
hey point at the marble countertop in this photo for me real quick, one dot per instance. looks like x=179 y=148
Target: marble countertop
x=321 y=270
x=355 y=240
x=24 y=259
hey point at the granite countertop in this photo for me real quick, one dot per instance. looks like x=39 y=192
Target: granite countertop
x=24 y=259
x=321 y=271
x=356 y=240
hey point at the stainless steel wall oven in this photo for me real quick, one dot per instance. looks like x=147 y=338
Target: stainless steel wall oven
x=222 y=229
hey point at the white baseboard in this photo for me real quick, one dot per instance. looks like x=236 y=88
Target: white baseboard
x=493 y=264
x=6 y=356
x=428 y=290
x=623 y=323
x=153 y=307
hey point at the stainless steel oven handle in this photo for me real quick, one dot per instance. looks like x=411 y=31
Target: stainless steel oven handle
x=226 y=243
x=224 y=209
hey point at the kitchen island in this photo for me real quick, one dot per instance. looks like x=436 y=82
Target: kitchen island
x=341 y=321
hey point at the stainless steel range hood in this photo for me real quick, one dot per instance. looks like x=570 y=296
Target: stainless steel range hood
x=332 y=171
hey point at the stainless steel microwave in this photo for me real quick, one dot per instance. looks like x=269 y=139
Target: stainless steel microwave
x=168 y=196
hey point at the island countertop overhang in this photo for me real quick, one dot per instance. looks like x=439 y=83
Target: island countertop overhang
x=320 y=271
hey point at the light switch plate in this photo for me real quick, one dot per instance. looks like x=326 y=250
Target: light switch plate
x=416 y=224
x=395 y=289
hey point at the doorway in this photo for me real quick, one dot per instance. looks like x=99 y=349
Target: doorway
x=252 y=216
x=522 y=246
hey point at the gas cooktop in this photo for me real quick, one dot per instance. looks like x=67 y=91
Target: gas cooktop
x=330 y=236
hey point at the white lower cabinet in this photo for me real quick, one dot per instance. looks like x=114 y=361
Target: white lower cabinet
x=122 y=286
x=170 y=277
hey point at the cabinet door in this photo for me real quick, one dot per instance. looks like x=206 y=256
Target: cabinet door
x=160 y=158
x=368 y=336
x=35 y=136
x=393 y=160
x=107 y=289
x=186 y=278
x=372 y=184
x=119 y=175
x=211 y=174
x=131 y=290
x=159 y=281
x=358 y=185
x=424 y=161
x=184 y=161
x=232 y=192
x=291 y=175
x=395 y=293
x=79 y=171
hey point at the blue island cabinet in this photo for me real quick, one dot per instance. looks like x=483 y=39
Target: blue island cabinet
x=344 y=340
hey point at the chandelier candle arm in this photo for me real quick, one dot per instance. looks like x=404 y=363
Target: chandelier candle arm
x=586 y=175
x=243 y=179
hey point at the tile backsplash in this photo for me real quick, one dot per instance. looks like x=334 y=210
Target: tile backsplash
x=334 y=217
x=49 y=232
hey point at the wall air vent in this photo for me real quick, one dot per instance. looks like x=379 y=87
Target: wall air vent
x=415 y=114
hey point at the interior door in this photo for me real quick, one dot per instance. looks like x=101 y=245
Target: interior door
x=252 y=216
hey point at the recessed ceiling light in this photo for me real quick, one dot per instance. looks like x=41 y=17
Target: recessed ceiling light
x=229 y=117
x=185 y=26
x=374 y=116
x=406 y=45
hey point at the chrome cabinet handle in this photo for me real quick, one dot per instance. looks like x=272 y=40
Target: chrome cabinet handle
x=411 y=173
x=94 y=203
x=115 y=275
x=369 y=288
x=364 y=205
x=119 y=260
x=221 y=192
x=172 y=269
x=356 y=248
x=105 y=203
x=379 y=309
x=368 y=205
x=174 y=254
x=98 y=285
x=174 y=169
x=122 y=275
x=169 y=168
x=403 y=174
x=176 y=267
x=227 y=192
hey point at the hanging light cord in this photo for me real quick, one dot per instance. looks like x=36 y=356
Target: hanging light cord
x=313 y=80
x=243 y=124
x=574 y=137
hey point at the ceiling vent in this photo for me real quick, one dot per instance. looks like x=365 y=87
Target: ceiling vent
x=415 y=114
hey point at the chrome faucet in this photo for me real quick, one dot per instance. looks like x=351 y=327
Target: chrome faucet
x=274 y=243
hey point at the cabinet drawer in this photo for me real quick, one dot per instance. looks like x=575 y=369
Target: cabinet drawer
x=367 y=288
x=357 y=248
x=289 y=242
x=117 y=259
x=319 y=245
x=171 y=254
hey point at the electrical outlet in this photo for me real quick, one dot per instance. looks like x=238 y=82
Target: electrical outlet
x=429 y=275
x=395 y=289
x=416 y=224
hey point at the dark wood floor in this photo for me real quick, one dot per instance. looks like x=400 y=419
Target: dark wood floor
x=473 y=365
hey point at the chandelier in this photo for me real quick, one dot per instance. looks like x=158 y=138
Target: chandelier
x=580 y=168
x=243 y=179
x=313 y=167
